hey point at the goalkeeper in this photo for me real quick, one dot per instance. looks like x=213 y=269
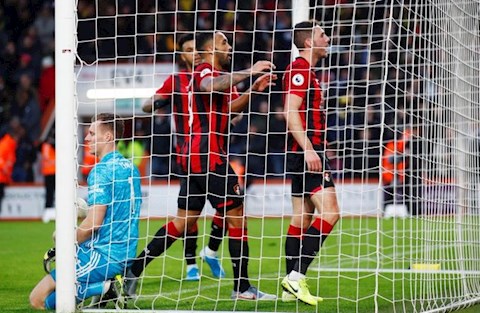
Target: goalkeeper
x=174 y=93
x=107 y=237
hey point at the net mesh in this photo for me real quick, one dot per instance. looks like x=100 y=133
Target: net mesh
x=401 y=87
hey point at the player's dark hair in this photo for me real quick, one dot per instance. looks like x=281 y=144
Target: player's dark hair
x=302 y=31
x=183 y=39
x=112 y=122
x=202 y=38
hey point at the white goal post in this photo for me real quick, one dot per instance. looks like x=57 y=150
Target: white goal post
x=65 y=140
x=401 y=89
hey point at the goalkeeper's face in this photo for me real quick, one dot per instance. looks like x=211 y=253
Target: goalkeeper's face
x=98 y=138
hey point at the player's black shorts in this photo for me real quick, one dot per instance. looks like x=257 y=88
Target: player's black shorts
x=220 y=187
x=307 y=183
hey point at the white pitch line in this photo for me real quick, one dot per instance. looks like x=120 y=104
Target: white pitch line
x=171 y=293
x=393 y=271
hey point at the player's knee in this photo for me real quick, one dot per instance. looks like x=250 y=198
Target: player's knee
x=235 y=217
x=307 y=220
x=36 y=302
x=334 y=215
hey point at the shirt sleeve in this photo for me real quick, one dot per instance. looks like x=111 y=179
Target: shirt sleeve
x=167 y=87
x=100 y=186
x=202 y=73
x=296 y=82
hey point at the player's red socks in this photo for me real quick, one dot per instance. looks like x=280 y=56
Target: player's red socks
x=163 y=239
x=312 y=241
x=217 y=232
x=190 y=243
x=238 y=247
x=292 y=246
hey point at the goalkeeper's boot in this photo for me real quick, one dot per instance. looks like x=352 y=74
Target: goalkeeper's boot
x=252 y=293
x=214 y=263
x=299 y=289
x=115 y=293
x=130 y=285
x=288 y=297
x=192 y=273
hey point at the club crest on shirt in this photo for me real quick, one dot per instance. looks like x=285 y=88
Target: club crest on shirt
x=326 y=176
x=298 y=79
x=205 y=72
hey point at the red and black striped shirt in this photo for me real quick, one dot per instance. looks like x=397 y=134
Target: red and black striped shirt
x=211 y=117
x=176 y=88
x=300 y=80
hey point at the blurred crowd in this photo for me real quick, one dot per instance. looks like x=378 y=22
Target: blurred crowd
x=362 y=112
x=27 y=77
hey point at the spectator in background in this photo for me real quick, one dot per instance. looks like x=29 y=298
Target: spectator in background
x=46 y=84
x=25 y=67
x=394 y=163
x=277 y=128
x=5 y=103
x=257 y=143
x=45 y=25
x=133 y=149
x=161 y=145
x=9 y=64
x=27 y=109
x=8 y=146
x=26 y=157
x=30 y=45
x=47 y=150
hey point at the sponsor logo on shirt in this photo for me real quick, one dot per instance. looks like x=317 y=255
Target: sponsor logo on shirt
x=96 y=189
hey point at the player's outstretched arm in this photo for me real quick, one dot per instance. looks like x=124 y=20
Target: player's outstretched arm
x=91 y=223
x=225 y=81
x=155 y=103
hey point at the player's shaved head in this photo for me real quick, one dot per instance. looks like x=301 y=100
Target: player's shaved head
x=202 y=39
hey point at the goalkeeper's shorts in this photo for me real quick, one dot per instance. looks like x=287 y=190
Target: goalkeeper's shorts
x=92 y=268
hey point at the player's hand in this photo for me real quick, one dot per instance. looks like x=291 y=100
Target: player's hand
x=264 y=81
x=147 y=108
x=82 y=208
x=262 y=66
x=314 y=163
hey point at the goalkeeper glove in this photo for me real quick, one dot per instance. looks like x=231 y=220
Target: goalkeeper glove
x=48 y=259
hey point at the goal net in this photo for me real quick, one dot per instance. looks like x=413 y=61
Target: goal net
x=401 y=89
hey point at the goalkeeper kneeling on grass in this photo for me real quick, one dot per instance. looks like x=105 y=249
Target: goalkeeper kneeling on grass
x=107 y=237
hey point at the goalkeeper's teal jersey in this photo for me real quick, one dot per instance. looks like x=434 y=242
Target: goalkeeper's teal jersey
x=115 y=182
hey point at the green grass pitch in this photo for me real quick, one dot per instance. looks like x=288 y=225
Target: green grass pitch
x=24 y=243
